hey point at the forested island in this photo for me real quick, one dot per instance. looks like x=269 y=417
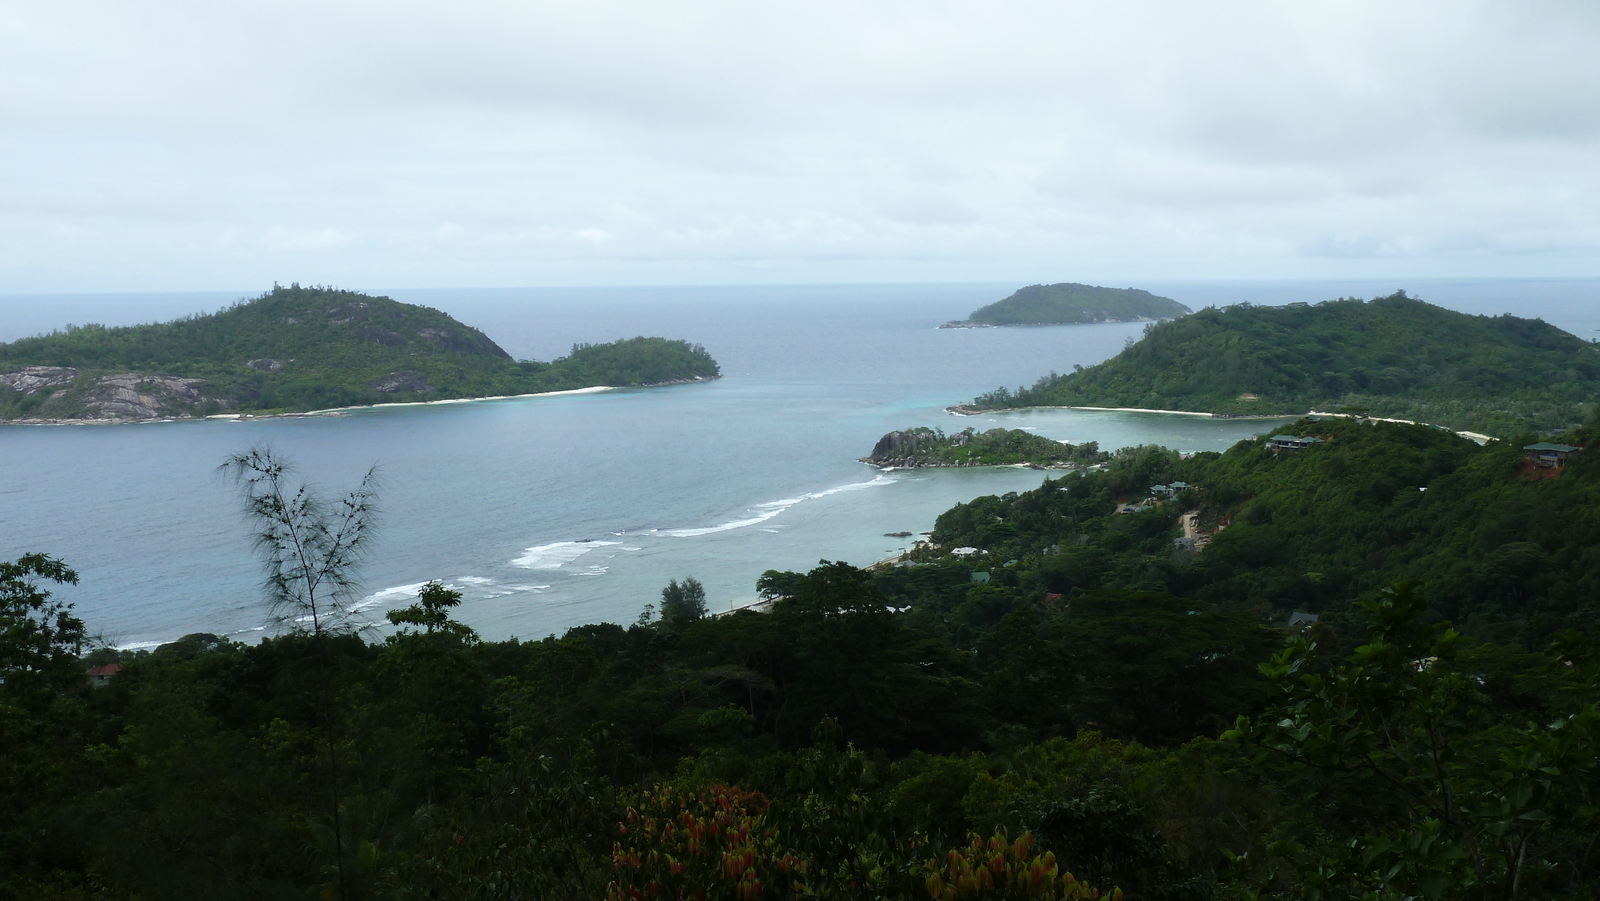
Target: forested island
x=1355 y=660
x=922 y=446
x=298 y=349
x=1392 y=356
x=1072 y=304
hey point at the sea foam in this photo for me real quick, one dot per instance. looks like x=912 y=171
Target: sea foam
x=388 y=596
x=557 y=554
x=769 y=509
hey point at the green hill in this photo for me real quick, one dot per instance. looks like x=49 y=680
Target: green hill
x=1392 y=356
x=298 y=349
x=1068 y=303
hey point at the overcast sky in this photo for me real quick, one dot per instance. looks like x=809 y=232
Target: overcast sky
x=178 y=145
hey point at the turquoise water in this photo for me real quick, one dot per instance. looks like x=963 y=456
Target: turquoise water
x=555 y=511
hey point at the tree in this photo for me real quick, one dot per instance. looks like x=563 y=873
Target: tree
x=39 y=637
x=432 y=613
x=1444 y=798
x=682 y=603
x=310 y=548
x=41 y=684
x=434 y=677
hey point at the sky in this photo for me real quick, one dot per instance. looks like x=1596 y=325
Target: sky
x=181 y=145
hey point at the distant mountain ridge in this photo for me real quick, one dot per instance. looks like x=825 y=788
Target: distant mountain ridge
x=1393 y=356
x=1073 y=304
x=296 y=349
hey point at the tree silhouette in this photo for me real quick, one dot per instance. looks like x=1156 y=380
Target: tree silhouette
x=311 y=548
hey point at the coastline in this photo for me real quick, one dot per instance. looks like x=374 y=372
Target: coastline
x=973 y=323
x=340 y=411
x=1064 y=467
x=1479 y=437
x=334 y=411
x=966 y=410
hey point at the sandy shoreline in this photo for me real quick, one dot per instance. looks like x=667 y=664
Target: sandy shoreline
x=331 y=411
x=1479 y=437
x=592 y=389
x=340 y=411
x=1470 y=436
x=964 y=410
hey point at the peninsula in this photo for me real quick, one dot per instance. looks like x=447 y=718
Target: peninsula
x=1392 y=356
x=1072 y=304
x=922 y=446
x=299 y=349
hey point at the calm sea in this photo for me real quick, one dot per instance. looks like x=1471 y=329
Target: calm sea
x=552 y=512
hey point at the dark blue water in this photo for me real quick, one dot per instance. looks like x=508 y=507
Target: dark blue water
x=549 y=512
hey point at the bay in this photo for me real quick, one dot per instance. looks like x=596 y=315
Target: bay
x=550 y=512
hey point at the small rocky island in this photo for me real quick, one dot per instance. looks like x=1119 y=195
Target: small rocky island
x=925 y=447
x=1072 y=304
x=300 y=349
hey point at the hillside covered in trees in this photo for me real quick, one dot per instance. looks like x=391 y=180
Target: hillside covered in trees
x=1079 y=689
x=1071 y=304
x=1392 y=356
x=297 y=349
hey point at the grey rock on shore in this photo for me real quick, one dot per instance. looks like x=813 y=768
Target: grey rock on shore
x=119 y=397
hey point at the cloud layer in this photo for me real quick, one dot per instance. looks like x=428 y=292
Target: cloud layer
x=189 y=145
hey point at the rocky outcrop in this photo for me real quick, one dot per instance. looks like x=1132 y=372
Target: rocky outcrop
x=463 y=340
x=380 y=335
x=407 y=380
x=266 y=364
x=119 y=397
x=900 y=449
x=369 y=321
x=356 y=311
x=135 y=395
x=923 y=447
x=33 y=379
x=895 y=449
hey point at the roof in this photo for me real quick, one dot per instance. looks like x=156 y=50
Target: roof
x=1284 y=438
x=1302 y=619
x=1180 y=485
x=106 y=669
x=1555 y=448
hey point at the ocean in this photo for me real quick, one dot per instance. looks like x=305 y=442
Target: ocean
x=550 y=512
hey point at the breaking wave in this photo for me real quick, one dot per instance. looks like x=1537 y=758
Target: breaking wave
x=557 y=554
x=769 y=509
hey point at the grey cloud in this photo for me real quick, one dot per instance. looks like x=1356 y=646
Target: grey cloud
x=188 y=144
x=929 y=207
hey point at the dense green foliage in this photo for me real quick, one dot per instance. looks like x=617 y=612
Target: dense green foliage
x=296 y=349
x=1393 y=356
x=923 y=446
x=1073 y=303
x=1472 y=777
x=1505 y=555
x=1104 y=703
